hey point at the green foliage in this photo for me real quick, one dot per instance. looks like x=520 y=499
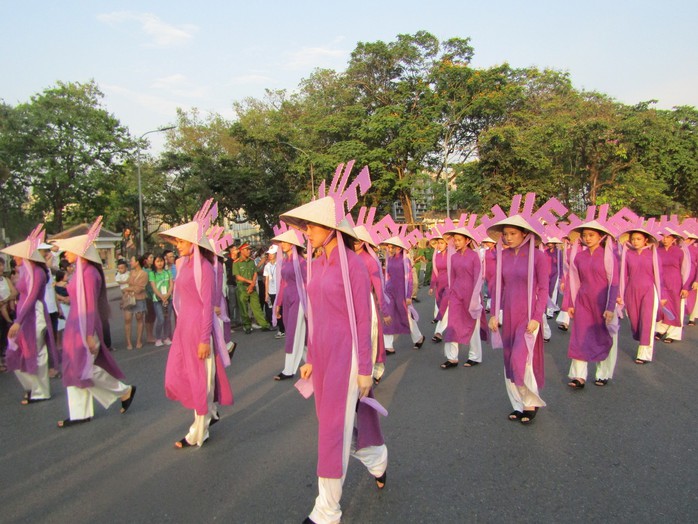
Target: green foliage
x=65 y=152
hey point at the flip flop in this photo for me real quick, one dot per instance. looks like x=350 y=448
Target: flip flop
x=68 y=422
x=125 y=404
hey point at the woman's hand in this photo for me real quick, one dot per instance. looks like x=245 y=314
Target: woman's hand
x=608 y=316
x=387 y=320
x=203 y=351
x=570 y=312
x=93 y=344
x=217 y=311
x=532 y=326
x=14 y=329
x=619 y=301
x=493 y=324
x=431 y=292
x=306 y=371
x=684 y=293
x=365 y=382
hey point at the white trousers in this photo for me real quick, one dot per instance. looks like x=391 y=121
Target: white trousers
x=327 y=507
x=378 y=367
x=526 y=395
x=38 y=385
x=563 y=318
x=415 y=334
x=604 y=369
x=293 y=359
x=673 y=332
x=693 y=314
x=198 y=431
x=442 y=324
x=647 y=352
x=105 y=389
x=451 y=349
x=546 y=328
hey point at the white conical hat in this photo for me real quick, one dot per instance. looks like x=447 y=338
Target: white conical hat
x=363 y=234
x=189 y=232
x=396 y=241
x=576 y=231
x=462 y=231
x=22 y=250
x=322 y=211
x=291 y=236
x=76 y=245
x=495 y=230
x=625 y=235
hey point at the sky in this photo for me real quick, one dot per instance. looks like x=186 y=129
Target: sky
x=151 y=57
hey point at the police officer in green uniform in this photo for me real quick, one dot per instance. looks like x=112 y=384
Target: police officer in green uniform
x=245 y=273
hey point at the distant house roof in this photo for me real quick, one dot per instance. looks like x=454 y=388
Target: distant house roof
x=82 y=229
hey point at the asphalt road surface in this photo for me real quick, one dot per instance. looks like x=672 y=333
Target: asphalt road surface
x=626 y=452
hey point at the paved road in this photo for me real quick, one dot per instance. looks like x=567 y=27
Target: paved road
x=624 y=453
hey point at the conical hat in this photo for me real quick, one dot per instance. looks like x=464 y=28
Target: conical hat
x=363 y=235
x=575 y=232
x=396 y=241
x=495 y=230
x=21 y=250
x=553 y=240
x=674 y=232
x=76 y=245
x=462 y=231
x=190 y=233
x=291 y=236
x=322 y=211
x=625 y=235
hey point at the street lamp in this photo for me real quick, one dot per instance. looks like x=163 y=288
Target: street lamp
x=140 y=191
x=312 y=178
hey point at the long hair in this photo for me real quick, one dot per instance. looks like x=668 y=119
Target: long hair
x=102 y=300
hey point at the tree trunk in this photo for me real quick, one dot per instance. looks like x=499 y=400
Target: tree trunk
x=406 y=202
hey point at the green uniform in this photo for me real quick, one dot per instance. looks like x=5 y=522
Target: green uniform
x=248 y=301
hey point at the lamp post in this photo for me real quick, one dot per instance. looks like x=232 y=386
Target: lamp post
x=312 y=178
x=140 y=191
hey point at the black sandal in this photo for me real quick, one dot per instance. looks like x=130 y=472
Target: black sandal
x=419 y=344
x=515 y=415
x=68 y=422
x=576 y=384
x=436 y=338
x=125 y=404
x=380 y=481
x=389 y=351
x=562 y=327
x=641 y=361
x=283 y=376
x=601 y=382
x=232 y=349
x=184 y=443
x=27 y=399
x=528 y=416
x=448 y=364
x=470 y=363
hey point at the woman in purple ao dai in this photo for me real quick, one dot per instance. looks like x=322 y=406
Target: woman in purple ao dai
x=463 y=301
x=640 y=290
x=398 y=289
x=89 y=371
x=521 y=293
x=291 y=301
x=675 y=274
x=593 y=293
x=28 y=336
x=339 y=360
x=438 y=286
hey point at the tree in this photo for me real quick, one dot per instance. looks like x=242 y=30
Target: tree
x=69 y=151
